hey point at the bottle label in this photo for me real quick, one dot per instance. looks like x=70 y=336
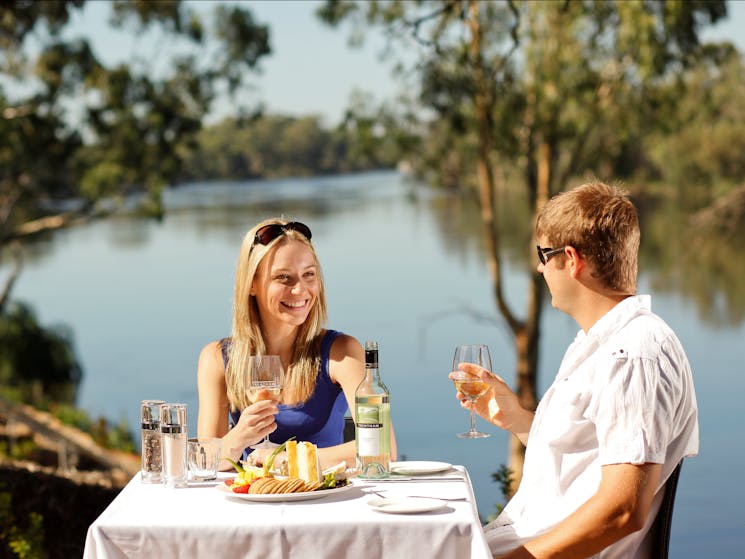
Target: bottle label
x=369 y=430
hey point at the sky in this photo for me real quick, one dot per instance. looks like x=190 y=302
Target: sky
x=294 y=82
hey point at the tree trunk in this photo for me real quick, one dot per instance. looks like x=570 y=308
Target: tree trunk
x=526 y=339
x=527 y=336
x=525 y=333
x=17 y=256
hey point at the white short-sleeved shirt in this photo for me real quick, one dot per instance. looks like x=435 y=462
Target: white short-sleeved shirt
x=623 y=394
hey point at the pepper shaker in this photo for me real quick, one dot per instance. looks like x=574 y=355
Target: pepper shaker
x=152 y=465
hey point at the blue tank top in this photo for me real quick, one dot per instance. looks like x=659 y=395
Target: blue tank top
x=320 y=419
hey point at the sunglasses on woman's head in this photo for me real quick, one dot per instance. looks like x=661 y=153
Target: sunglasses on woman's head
x=268 y=233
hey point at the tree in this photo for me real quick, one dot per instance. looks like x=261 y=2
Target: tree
x=72 y=126
x=50 y=370
x=560 y=87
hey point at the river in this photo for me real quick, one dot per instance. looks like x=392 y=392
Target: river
x=402 y=266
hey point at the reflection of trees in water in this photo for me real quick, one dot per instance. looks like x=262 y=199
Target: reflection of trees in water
x=462 y=232
x=225 y=210
x=677 y=255
x=702 y=264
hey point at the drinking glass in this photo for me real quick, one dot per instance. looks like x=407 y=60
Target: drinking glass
x=203 y=457
x=472 y=387
x=265 y=384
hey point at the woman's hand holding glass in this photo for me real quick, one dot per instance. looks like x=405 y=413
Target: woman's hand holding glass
x=257 y=422
x=265 y=385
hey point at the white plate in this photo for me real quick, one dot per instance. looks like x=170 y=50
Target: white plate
x=282 y=497
x=416 y=468
x=406 y=505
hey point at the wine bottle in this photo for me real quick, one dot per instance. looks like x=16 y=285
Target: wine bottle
x=372 y=420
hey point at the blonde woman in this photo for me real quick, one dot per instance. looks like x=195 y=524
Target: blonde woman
x=280 y=309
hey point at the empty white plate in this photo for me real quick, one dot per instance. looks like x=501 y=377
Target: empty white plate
x=406 y=505
x=417 y=468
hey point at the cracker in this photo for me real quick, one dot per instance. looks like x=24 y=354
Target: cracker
x=296 y=485
x=271 y=487
x=257 y=487
x=312 y=485
x=277 y=486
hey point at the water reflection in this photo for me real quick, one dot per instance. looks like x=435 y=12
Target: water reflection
x=699 y=264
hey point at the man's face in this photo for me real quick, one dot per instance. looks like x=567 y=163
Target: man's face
x=555 y=274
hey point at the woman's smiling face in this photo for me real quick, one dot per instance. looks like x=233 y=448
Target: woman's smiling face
x=286 y=284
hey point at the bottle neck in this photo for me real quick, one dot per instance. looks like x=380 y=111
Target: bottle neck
x=372 y=373
x=371 y=362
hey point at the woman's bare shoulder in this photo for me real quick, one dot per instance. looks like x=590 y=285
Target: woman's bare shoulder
x=210 y=359
x=346 y=346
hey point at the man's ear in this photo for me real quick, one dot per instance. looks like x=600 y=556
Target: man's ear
x=574 y=260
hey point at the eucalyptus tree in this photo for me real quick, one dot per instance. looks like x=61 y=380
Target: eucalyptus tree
x=73 y=125
x=558 y=88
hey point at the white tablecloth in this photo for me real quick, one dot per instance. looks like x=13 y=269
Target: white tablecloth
x=201 y=521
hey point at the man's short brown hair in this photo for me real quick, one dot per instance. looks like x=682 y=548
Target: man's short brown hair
x=601 y=223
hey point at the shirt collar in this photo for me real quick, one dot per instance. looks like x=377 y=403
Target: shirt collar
x=620 y=315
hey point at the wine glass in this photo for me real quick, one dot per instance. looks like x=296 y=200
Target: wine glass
x=471 y=386
x=265 y=384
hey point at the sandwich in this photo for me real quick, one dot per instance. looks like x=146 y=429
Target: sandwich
x=303 y=462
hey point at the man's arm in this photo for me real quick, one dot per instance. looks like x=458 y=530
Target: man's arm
x=619 y=507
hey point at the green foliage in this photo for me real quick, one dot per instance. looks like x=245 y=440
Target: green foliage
x=270 y=146
x=36 y=363
x=504 y=477
x=20 y=450
x=38 y=366
x=580 y=84
x=133 y=124
x=117 y=436
x=700 y=150
x=20 y=538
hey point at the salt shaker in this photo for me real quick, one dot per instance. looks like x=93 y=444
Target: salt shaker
x=173 y=441
x=152 y=466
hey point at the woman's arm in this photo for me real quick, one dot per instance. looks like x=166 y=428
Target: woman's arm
x=347 y=368
x=256 y=420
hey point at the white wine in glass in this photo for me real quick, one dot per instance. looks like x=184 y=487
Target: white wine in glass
x=472 y=387
x=265 y=384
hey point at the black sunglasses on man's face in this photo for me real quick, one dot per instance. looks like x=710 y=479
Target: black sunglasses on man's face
x=546 y=253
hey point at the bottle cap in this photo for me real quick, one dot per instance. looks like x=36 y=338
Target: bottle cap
x=371 y=354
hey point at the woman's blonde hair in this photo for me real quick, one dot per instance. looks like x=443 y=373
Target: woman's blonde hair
x=247 y=338
x=602 y=224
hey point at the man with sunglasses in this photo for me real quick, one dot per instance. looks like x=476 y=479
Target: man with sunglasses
x=621 y=412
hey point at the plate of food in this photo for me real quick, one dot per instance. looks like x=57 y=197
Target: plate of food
x=284 y=497
x=303 y=479
x=419 y=468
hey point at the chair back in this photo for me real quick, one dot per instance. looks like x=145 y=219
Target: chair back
x=348 y=429
x=664 y=520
